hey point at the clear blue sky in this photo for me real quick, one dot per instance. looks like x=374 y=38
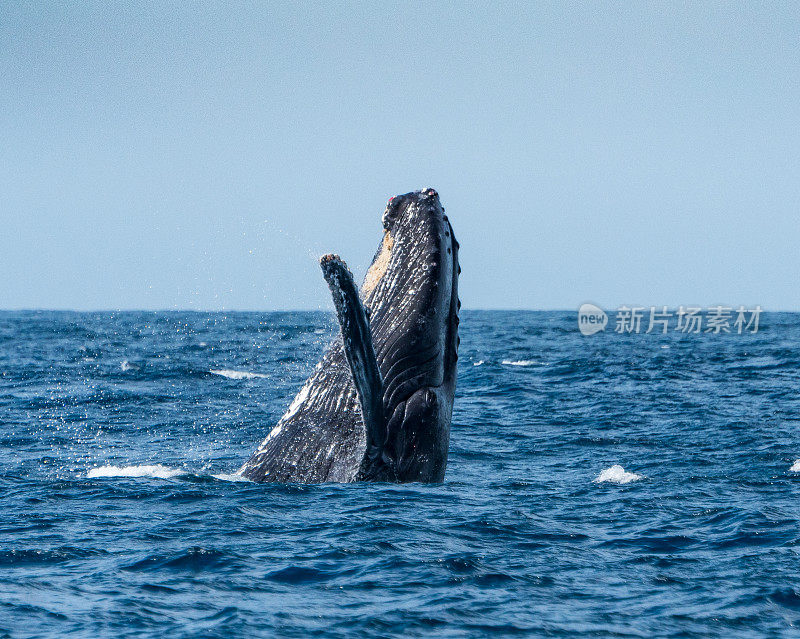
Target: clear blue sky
x=189 y=155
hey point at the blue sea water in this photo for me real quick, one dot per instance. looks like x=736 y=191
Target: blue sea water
x=120 y=515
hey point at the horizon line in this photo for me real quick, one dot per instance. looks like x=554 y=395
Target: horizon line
x=318 y=310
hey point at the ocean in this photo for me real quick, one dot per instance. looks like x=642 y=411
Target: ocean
x=612 y=485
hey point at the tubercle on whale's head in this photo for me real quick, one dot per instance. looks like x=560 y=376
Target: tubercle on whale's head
x=401 y=209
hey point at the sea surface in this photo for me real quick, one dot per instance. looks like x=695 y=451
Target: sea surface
x=634 y=485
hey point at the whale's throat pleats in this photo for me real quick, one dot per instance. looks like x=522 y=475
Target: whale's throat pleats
x=379 y=266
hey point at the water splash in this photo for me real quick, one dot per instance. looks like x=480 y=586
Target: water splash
x=156 y=470
x=232 y=374
x=616 y=474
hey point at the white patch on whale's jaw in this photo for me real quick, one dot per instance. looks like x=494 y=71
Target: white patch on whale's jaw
x=378 y=268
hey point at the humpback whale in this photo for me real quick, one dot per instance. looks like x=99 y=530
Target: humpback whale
x=378 y=405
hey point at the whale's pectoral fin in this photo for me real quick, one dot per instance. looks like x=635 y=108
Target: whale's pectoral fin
x=358 y=348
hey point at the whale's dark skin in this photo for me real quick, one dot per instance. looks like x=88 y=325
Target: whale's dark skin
x=379 y=403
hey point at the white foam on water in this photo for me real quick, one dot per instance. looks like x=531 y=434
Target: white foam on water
x=232 y=374
x=478 y=363
x=616 y=475
x=795 y=467
x=231 y=477
x=157 y=470
x=127 y=366
x=520 y=362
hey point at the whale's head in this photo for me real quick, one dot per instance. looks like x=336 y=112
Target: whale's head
x=411 y=294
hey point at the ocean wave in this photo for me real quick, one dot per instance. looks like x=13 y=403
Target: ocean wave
x=232 y=374
x=480 y=362
x=194 y=559
x=157 y=470
x=520 y=362
x=127 y=366
x=795 y=467
x=505 y=525
x=616 y=474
